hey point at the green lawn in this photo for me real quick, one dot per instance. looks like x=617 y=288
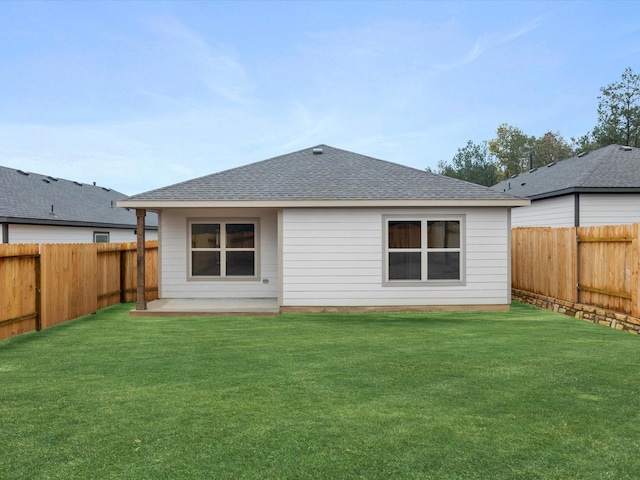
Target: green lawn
x=525 y=394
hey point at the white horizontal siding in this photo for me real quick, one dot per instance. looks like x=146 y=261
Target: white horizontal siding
x=548 y=212
x=609 y=209
x=19 y=233
x=335 y=257
x=174 y=257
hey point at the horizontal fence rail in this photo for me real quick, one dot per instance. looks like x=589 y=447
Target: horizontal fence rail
x=596 y=265
x=43 y=285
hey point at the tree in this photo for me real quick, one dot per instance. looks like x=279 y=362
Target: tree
x=511 y=147
x=551 y=147
x=619 y=112
x=472 y=163
x=585 y=143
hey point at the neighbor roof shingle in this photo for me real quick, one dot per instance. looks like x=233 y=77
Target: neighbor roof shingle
x=609 y=168
x=334 y=174
x=31 y=196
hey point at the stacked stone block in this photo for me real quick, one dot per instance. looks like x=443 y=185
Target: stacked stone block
x=590 y=313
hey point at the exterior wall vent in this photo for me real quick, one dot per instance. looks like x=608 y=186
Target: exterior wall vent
x=317 y=151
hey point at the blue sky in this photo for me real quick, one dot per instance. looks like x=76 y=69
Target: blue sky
x=139 y=95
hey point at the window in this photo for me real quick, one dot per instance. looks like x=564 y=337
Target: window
x=101 y=237
x=223 y=249
x=423 y=250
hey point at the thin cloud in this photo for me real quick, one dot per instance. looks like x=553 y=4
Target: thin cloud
x=215 y=67
x=492 y=40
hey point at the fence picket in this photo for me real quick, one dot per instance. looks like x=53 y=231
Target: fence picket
x=595 y=265
x=43 y=285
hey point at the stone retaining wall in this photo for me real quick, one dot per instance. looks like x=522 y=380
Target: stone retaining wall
x=609 y=318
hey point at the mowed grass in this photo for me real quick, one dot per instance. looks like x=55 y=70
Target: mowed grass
x=524 y=394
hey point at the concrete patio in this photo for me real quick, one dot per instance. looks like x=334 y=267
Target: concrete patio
x=191 y=307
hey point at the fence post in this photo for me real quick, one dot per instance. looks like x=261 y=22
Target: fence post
x=575 y=265
x=635 y=271
x=38 y=295
x=123 y=273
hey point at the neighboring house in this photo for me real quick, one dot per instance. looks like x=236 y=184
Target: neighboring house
x=37 y=208
x=324 y=228
x=601 y=187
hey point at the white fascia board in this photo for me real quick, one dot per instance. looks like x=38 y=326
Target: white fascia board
x=160 y=204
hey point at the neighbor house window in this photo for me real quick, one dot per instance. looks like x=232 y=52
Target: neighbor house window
x=101 y=237
x=423 y=250
x=223 y=249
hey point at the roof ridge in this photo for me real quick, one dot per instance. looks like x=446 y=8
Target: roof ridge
x=609 y=167
x=49 y=200
x=57 y=179
x=597 y=162
x=311 y=175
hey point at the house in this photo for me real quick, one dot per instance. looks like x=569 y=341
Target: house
x=37 y=208
x=324 y=229
x=601 y=187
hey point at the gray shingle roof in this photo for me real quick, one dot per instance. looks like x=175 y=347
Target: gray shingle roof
x=26 y=196
x=611 y=168
x=334 y=174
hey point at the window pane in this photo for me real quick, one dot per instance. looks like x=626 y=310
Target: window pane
x=205 y=235
x=404 y=265
x=240 y=235
x=443 y=234
x=205 y=263
x=240 y=264
x=404 y=234
x=443 y=265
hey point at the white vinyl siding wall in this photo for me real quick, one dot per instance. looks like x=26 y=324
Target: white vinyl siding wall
x=548 y=212
x=174 y=281
x=595 y=209
x=19 y=233
x=609 y=209
x=334 y=257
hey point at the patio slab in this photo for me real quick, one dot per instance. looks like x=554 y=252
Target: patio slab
x=181 y=307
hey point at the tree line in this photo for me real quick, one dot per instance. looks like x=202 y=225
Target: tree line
x=512 y=151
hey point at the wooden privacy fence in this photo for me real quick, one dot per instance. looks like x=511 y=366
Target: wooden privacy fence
x=43 y=285
x=588 y=265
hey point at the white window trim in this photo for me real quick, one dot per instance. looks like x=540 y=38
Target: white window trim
x=97 y=234
x=424 y=249
x=223 y=277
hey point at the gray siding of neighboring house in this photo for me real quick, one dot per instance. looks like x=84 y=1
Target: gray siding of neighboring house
x=19 y=233
x=548 y=212
x=594 y=209
x=609 y=209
